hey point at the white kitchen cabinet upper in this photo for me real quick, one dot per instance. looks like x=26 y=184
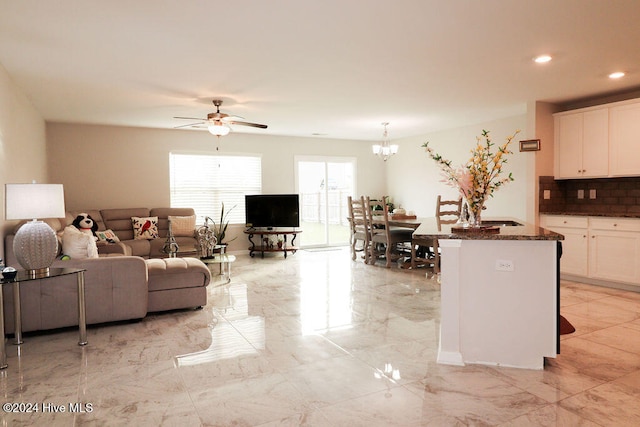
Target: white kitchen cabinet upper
x=582 y=144
x=624 y=139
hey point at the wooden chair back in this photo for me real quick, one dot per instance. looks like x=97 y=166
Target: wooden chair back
x=448 y=211
x=359 y=227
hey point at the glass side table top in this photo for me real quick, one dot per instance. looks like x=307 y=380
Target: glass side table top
x=24 y=276
x=219 y=258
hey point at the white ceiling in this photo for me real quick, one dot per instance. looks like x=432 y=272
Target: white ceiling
x=334 y=67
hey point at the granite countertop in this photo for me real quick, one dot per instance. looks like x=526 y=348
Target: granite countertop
x=602 y=214
x=428 y=229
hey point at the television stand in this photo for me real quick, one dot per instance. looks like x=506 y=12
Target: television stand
x=266 y=245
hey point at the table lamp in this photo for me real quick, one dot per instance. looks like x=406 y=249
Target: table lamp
x=35 y=244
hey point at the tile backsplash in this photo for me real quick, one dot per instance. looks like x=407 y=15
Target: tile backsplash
x=613 y=196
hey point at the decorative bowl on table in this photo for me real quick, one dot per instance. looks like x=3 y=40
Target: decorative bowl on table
x=9 y=273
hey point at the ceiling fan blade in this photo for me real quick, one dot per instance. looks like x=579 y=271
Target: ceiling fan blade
x=231 y=118
x=191 y=118
x=189 y=125
x=255 y=125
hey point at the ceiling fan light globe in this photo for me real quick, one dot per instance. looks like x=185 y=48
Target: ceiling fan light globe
x=218 y=129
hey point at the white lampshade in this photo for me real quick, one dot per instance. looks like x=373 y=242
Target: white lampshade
x=35 y=244
x=31 y=201
x=218 y=129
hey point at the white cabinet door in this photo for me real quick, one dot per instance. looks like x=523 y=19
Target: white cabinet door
x=582 y=141
x=614 y=255
x=614 y=249
x=568 y=131
x=624 y=137
x=595 y=144
x=574 y=251
x=575 y=244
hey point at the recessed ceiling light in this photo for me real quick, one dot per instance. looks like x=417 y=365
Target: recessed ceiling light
x=542 y=59
x=616 y=75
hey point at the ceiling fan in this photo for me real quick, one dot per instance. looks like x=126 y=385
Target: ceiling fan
x=217 y=123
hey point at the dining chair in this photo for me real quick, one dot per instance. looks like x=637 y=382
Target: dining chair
x=383 y=235
x=447 y=212
x=359 y=230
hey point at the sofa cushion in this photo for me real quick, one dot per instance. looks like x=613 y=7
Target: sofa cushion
x=139 y=248
x=176 y=273
x=145 y=227
x=119 y=220
x=183 y=226
x=163 y=217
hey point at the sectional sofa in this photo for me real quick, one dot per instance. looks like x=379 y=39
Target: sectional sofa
x=129 y=279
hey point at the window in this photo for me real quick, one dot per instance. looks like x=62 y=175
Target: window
x=203 y=182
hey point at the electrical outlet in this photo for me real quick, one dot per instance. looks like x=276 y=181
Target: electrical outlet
x=504 y=265
x=580 y=194
x=592 y=193
x=546 y=194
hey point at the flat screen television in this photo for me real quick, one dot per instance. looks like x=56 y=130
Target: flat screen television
x=272 y=210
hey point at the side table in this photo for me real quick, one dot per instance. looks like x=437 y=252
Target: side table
x=223 y=260
x=23 y=276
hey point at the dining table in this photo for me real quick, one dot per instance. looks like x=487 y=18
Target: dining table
x=400 y=221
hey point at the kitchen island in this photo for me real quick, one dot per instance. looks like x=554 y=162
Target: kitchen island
x=499 y=293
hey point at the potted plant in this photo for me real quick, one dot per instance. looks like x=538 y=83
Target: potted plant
x=211 y=235
x=220 y=229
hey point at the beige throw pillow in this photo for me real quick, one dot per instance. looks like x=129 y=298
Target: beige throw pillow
x=183 y=225
x=107 y=236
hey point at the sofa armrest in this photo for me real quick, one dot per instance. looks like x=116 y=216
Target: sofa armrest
x=106 y=248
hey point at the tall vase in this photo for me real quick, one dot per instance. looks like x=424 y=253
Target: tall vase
x=475 y=213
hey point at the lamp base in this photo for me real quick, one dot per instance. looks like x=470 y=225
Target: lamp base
x=38 y=273
x=35 y=246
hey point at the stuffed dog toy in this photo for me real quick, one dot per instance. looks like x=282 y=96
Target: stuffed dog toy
x=85 y=223
x=78 y=239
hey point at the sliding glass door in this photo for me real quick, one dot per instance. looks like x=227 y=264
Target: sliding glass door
x=324 y=184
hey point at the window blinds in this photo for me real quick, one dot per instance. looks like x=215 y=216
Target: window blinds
x=204 y=182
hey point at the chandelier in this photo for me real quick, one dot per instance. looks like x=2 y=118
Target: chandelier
x=385 y=150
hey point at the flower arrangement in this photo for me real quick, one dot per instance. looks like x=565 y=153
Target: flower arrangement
x=480 y=177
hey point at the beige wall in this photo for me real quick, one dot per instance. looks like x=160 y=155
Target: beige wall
x=414 y=179
x=544 y=131
x=108 y=166
x=23 y=156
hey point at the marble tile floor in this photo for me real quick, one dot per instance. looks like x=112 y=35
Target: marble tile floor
x=320 y=340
